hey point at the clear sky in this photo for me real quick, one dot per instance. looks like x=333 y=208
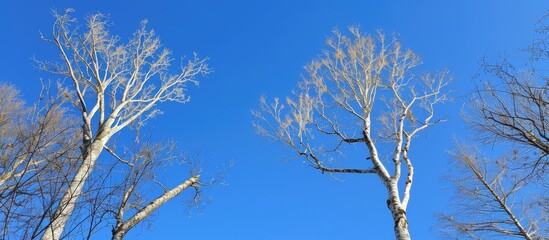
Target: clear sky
x=260 y=47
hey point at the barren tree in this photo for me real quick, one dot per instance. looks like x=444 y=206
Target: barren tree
x=38 y=146
x=502 y=188
x=513 y=109
x=114 y=86
x=493 y=200
x=361 y=91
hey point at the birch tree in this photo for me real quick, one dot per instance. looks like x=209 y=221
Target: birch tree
x=114 y=86
x=361 y=93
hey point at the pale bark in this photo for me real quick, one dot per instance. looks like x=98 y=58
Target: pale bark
x=114 y=85
x=68 y=201
x=13 y=171
x=122 y=227
x=13 y=134
x=497 y=198
x=336 y=101
x=397 y=209
x=38 y=146
x=490 y=201
x=398 y=212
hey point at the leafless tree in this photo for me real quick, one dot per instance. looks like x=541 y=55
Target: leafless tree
x=38 y=147
x=506 y=195
x=360 y=92
x=493 y=200
x=114 y=86
x=513 y=109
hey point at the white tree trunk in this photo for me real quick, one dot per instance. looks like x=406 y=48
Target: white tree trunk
x=397 y=212
x=66 y=206
x=122 y=228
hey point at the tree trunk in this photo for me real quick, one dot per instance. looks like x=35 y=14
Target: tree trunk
x=398 y=213
x=122 y=228
x=66 y=206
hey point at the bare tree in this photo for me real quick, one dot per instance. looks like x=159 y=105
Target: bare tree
x=38 y=146
x=493 y=200
x=506 y=195
x=113 y=85
x=335 y=108
x=514 y=109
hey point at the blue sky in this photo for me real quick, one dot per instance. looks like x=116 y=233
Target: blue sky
x=260 y=47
